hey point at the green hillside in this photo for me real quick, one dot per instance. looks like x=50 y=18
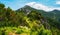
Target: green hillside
x=26 y=22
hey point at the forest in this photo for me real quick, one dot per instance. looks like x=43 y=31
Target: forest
x=15 y=22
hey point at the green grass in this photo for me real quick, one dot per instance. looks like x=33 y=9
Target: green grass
x=15 y=30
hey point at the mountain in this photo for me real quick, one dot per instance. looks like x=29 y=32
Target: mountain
x=27 y=21
x=55 y=14
x=26 y=9
x=52 y=16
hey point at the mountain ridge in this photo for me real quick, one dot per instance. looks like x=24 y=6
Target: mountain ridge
x=51 y=14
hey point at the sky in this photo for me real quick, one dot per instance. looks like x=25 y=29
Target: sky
x=16 y=4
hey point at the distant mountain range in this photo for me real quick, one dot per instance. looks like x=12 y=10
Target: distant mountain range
x=55 y=14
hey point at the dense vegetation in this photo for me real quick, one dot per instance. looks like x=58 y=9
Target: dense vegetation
x=20 y=23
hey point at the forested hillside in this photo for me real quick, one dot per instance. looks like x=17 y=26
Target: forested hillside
x=22 y=22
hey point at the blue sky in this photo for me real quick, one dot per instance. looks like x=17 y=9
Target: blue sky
x=16 y=4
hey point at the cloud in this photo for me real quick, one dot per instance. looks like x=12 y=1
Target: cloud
x=58 y=2
x=39 y=6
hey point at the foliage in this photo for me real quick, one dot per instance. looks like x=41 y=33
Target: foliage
x=18 y=22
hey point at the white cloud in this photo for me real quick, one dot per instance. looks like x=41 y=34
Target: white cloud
x=58 y=2
x=40 y=6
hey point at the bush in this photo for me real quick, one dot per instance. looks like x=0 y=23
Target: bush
x=19 y=32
